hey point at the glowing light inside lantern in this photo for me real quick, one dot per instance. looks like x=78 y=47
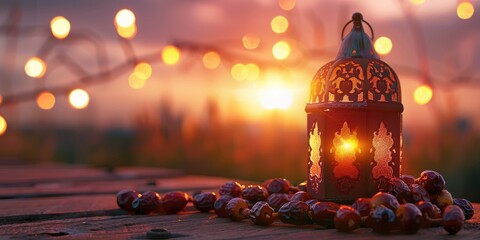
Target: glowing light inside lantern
x=250 y=41
x=46 y=100
x=465 y=10
x=3 y=125
x=125 y=18
x=279 y=24
x=211 y=60
x=170 y=55
x=423 y=95
x=60 y=27
x=35 y=67
x=78 y=98
x=383 y=45
x=286 y=5
x=281 y=50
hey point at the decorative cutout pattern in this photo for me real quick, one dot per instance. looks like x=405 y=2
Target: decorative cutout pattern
x=382 y=143
x=317 y=86
x=346 y=83
x=315 y=164
x=345 y=145
x=383 y=84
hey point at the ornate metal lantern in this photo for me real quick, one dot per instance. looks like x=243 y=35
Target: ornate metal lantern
x=354 y=121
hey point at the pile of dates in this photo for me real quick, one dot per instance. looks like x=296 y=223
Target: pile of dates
x=404 y=205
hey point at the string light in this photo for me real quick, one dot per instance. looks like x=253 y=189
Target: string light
x=35 y=67
x=170 y=55
x=286 y=5
x=3 y=125
x=253 y=71
x=143 y=70
x=383 y=45
x=78 y=98
x=279 y=24
x=239 y=72
x=417 y=2
x=250 y=41
x=281 y=50
x=211 y=60
x=125 y=18
x=127 y=32
x=465 y=10
x=135 y=82
x=60 y=27
x=423 y=94
x=46 y=100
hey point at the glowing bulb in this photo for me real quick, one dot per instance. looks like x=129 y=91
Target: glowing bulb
x=46 y=100
x=417 y=2
x=423 y=94
x=281 y=50
x=78 y=98
x=239 y=72
x=276 y=98
x=253 y=71
x=125 y=18
x=383 y=45
x=170 y=55
x=135 y=82
x=286 y=5
x=211 y=60
x=3 y=125
x=465 y=10
x=60 y=27
x=250 y=41
x=127 y=32
x=35 y=67
x=143 y=70
x=279 y=24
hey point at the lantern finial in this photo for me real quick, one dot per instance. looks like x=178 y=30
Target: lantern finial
x=357 y=43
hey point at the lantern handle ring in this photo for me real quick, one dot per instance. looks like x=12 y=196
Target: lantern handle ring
x=371 y=29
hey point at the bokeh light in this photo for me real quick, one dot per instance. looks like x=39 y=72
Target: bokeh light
x=3 y=125
x=383 y=45
x=143 y=70
x=286 y=5
x=78 y=98
x=211 y=60
x=281 y=50
x=465 y=10
x=1 y=99
x=127 y=32
x=250 y=41
x=276 y=97
x=170 y=55
x=279 y=24
x=253 y=71
x=125 y=18
x=135 y=82
x=35 y=67
x=46 y=100
x=417 y=2
x=239 y=72
x=423 y=94
x=60 y=27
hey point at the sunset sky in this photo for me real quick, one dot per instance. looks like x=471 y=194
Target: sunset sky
x=452 y=50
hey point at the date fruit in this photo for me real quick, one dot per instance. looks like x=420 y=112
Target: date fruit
x=125 y=198
x=466 y=206
x=204 y=202
x=432 y=181
x=295 y=212
x=237 y=209
x=276 y=200
x=453 y=219
x=278 y=185
x=231 y=188
x=255 y=193
x=409 y=218
x=262 y=214
x=173 y=202
x=220 y=204
x=347 y=219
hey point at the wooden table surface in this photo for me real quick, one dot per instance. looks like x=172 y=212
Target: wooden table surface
x=65 y=202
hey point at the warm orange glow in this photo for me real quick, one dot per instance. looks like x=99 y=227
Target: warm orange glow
x=276 y=97
x=286 y=5
x=143 y=71
x=423 y=95
x=281 y=50
x=127 y=32
x=383 y=45
x=465 y=10
x=78 y=98
x=125 y=18
x=250 y=41
x=170 y=55
x=253 y=71
x=279 y=24
x=60 y=27
x=417 y=2
x=1 y=99
x=211 y=60
x=349 y=144
x=135 y=82
x=35 y=67
x=239 y=72
x=3 y=125
x=46 y=100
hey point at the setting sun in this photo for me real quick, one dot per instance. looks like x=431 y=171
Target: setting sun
x=276 y=97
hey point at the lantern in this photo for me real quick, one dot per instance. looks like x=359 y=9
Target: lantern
x=354 y=122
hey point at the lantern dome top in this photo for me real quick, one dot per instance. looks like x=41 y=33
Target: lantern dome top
x=356 y=75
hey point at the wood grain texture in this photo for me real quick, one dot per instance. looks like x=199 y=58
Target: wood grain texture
x=84 y=207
